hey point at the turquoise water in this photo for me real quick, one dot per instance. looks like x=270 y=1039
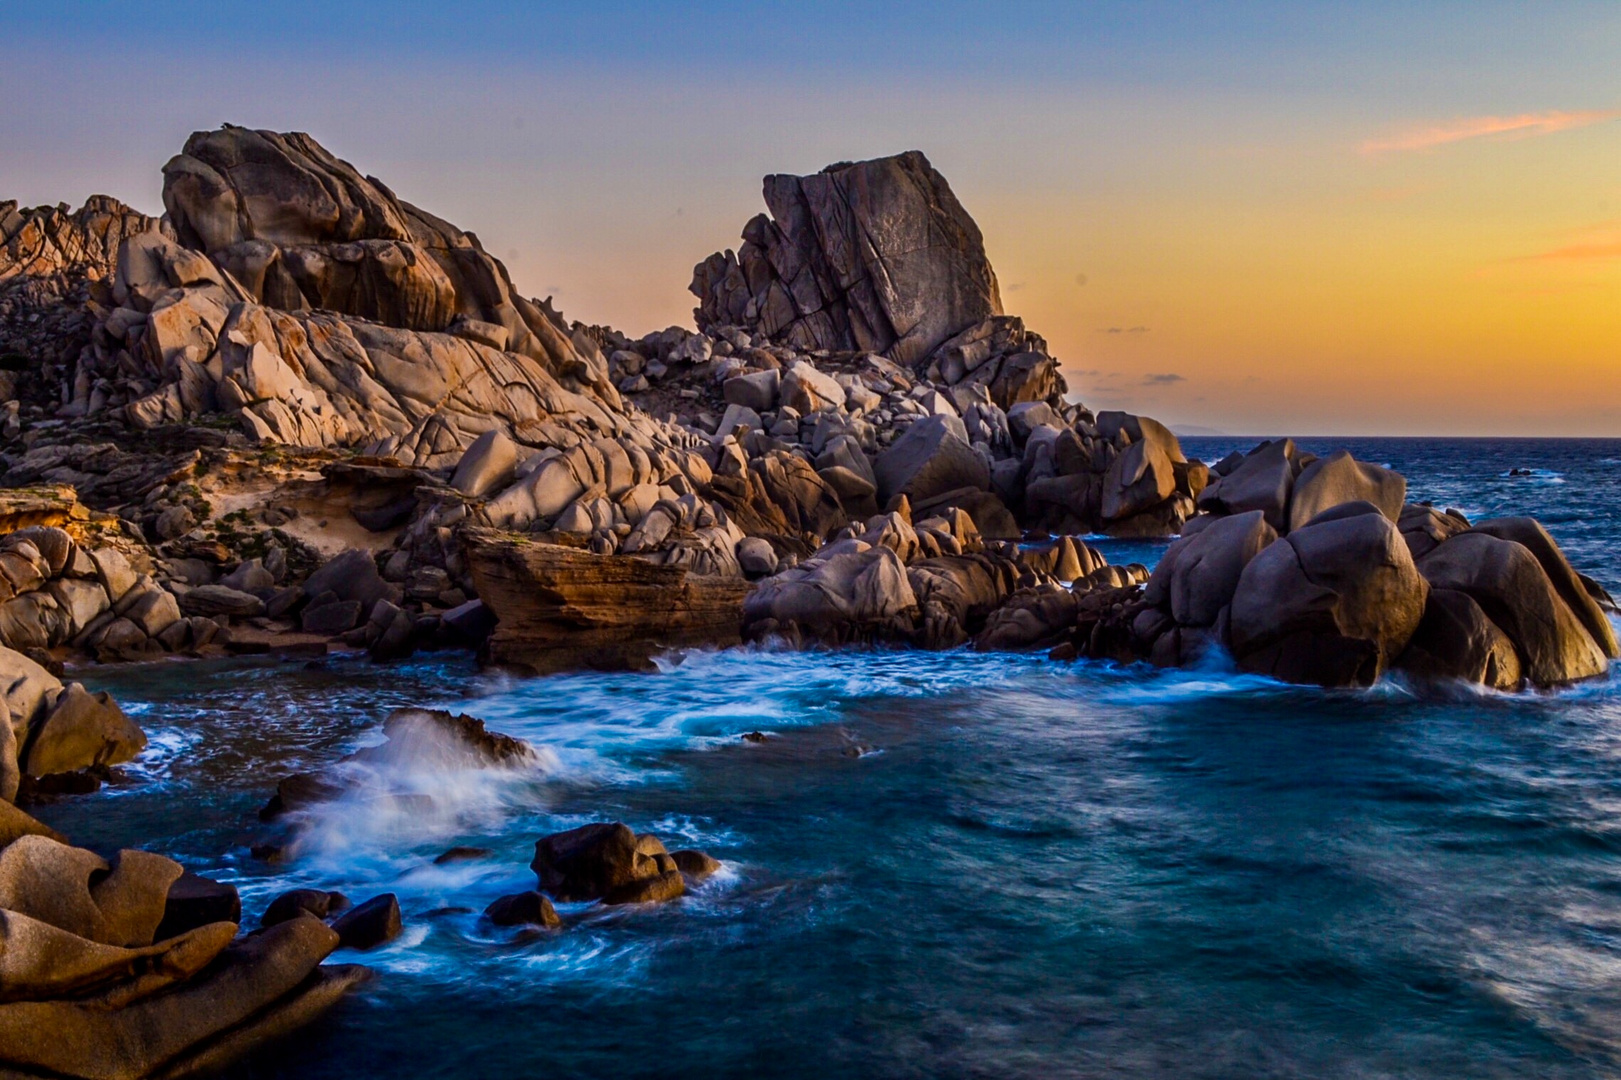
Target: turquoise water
x=957 y=864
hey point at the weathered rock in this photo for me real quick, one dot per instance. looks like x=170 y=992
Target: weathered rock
x=523 y=909
x=107 y=1038
x=39 y=961
x=81 y=730
x=1140 y=478
x=487 y=466
x=756 y=390
x=221 y=600
x=1456 y=640
x=1514 y=591
x=1031 y=618
x=1529 y=533
x=590 y=862
x=1333 y=603
x=353 y=576
x=558 y=607
x=332 y=618
x=931 y=458
x=1423 y=527
x=1198 y=575
x=1263 y=480
x=756 y=557
x=877 y=256
x=1340 y=478
x=666 y=885
x=837 y=598
x=195 y=901
x=117 y=903
x=695 y=864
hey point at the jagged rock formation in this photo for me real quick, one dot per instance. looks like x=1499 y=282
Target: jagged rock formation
x=876 y=256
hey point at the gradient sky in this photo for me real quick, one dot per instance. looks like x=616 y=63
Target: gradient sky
x=1259 y=218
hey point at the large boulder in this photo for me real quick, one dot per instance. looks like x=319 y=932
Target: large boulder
x=1456 y=640
x=1340 y=478
x=876 y=255
x=1141 y=477
x=594 y=861
x=1514 y=591
x=1262 y=480
x=352 y=576
x=1333 y=603
x=1198 y=575
x=119 y=902
x=931 y=458
x=1529 y=533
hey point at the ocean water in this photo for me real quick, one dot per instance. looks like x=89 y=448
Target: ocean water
x=956 y=865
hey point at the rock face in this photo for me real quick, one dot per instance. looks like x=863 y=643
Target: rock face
x=93 y=984
x=877 y=256
x=560 y=607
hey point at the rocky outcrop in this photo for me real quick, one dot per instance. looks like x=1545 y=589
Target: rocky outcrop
x=99 y=979
x=559 y=607
x=876 y=256
x=1366 y=584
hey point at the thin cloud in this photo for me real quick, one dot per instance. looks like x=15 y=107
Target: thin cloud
x=1163 y=379
x=1482 y=127
x=1122 y=329
x=1594 y=243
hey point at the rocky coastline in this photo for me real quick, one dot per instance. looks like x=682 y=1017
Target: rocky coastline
x=298 y=415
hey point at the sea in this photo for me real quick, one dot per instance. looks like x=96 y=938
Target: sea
x=951 y=864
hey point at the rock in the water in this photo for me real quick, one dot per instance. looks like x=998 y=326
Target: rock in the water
x=607 y=862
x=1333 y=602
x=295 y=902
x=196 y=901
x=695 y=864
x=368 y=925
x=523 y=909
x=1529 y=533
x=1456 y=640
x=589 y=862
x=81 y=730
x=1514 y=591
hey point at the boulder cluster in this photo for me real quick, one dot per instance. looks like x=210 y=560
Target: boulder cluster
x=130 y=967
x=1316 y=570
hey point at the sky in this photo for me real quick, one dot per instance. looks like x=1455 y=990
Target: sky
x=1302 y=218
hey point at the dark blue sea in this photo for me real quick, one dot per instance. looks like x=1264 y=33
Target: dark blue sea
x=958 y=865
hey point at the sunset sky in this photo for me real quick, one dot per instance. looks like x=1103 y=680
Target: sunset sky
x=1258 y=218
